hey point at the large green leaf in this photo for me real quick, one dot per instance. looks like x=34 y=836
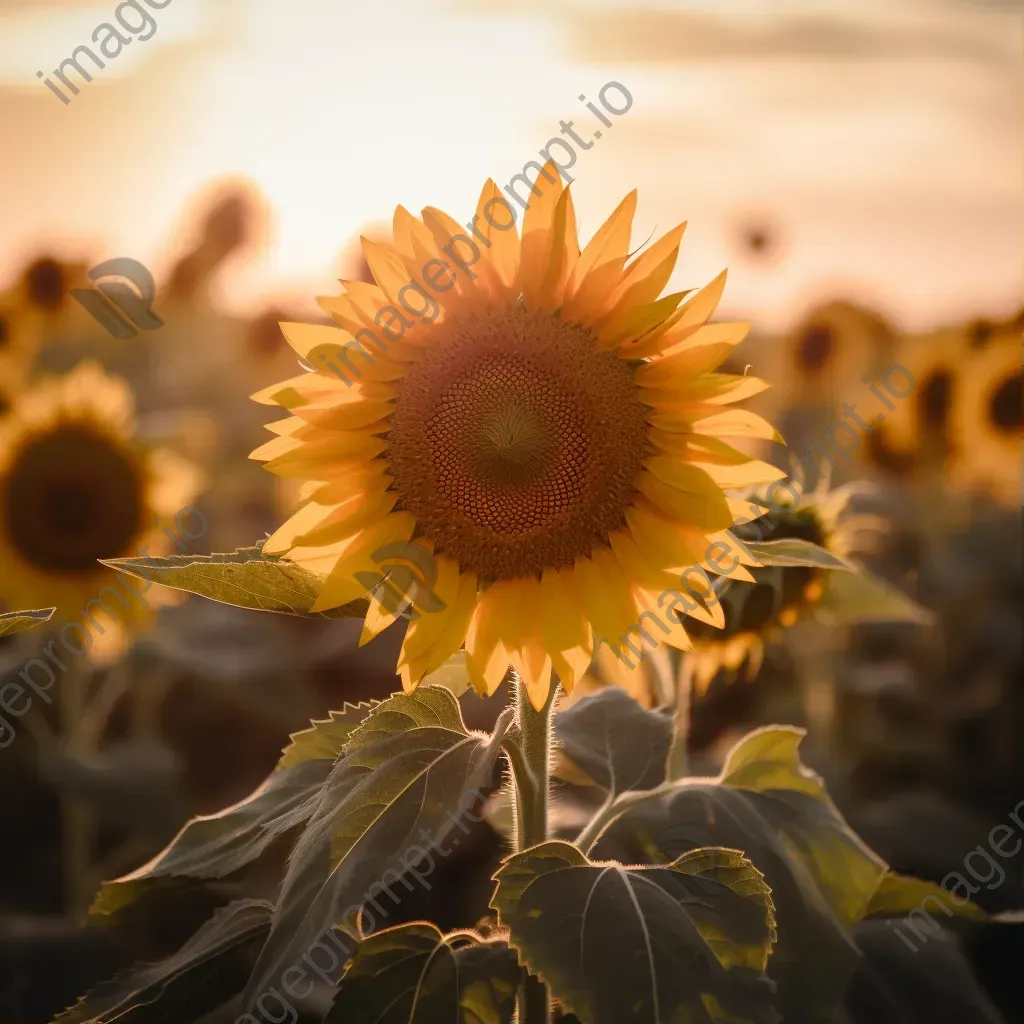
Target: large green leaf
x=863 y=597
x=616 y=741
x=407 y=771
x=792 y=551
x=17 y=622
x=686 y=941
x=215 y=845
x=776 y=810
x=904 y=896
x=325 y=738
x=245 y=578
x=207 y=971
x=413 y=974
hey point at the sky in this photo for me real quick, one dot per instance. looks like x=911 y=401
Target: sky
x=880 y=144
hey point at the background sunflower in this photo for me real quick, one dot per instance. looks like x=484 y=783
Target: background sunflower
x=75 y=488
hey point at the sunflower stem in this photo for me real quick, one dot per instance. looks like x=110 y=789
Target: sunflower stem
x=531 y=769
x=678 y=763
x=532 y=774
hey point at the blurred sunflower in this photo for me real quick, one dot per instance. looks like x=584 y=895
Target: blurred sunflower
x=988 y=420
x=553 y=436
x=781 y=596
x=76 y=488
x=918 y=436
x=836 y=343
x=18 y=342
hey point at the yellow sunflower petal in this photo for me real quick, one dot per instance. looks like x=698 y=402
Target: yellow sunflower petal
x=501 y=243
x=566 y=633
x=464 y=291
x=605 y=593
x=453 y=632
x=357 y=560
x=705 y=507
x=687 y=319
x=311 y=458
x=648 y=274
x=600 y=265
x=427 y=625
x=487 y=655
x=636 y=321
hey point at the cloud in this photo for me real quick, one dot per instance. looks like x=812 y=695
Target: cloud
x=674 y=37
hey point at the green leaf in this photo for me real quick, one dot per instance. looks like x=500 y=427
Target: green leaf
x=902 y=896
x=18 y=622
x=864 y=597
x=207 y=971
x=616 y=741
x=245 y=578
x=776 y=810
x=412 y=974
x=325 y=738
x=642 y=944
x=769 y=758
x=792 y=551
x=215 y=845
x=452 y=675
x=405 y=775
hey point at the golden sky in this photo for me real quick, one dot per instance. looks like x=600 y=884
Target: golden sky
x=882 y=141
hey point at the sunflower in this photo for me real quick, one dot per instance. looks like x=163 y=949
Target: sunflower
x=836 y=343
x=917 y=436
x=988 y=418
x=75 y=488
x=548 y=433
x=781 y=596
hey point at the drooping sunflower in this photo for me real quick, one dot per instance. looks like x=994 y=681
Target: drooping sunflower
x=781 y=596
x=551 y=435
x=75 y=488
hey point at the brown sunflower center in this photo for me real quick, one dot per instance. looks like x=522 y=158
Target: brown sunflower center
x=70 y=498
x=515 y=442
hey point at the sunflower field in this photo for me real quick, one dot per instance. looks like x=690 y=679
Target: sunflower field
x=599 y=636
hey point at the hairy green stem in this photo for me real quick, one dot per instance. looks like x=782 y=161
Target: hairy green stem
x=678 y=764
x=530 y=756
x=613 y=810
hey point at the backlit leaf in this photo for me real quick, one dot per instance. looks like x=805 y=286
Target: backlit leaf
x=325 y=738
x=642 y=944
x=412 y=974
x=901 y=896
x=17 y=622
x=407 y=772
x=245 y=578
x=215 y=845
x=771 y=806
x=863 y=597
x=616 y=741
x=207 y=971
x=794 y=551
